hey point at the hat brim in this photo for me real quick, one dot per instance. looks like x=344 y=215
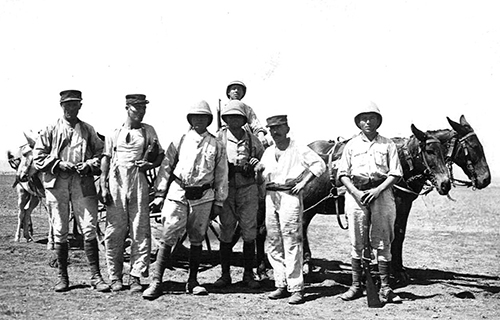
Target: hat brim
x=71 y=99
x=356 y=119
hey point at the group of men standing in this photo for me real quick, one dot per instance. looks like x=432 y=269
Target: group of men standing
x=200 y=176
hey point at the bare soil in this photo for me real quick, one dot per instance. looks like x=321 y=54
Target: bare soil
x=451 y=252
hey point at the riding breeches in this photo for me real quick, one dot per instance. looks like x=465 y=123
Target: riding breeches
x=284 y=241
x=383 y=216
x=68 y=190
x=240 y=208
x=128 y=215
x=178 y=217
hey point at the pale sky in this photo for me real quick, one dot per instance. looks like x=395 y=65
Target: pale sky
x=316 y=61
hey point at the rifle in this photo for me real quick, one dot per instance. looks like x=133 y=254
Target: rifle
x=371 y=290
x=219 y=121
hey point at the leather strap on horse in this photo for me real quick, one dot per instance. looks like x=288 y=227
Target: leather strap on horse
x=333 y=194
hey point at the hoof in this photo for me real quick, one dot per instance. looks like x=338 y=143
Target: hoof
x=400 y=279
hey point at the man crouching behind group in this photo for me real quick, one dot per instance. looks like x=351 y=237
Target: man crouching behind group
x=196 y=165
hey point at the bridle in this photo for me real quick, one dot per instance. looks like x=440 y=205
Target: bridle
x=427 y=174
x=453 y=146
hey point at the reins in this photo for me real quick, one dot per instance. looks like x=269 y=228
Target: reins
x=333 y=191
x=426 y=175
x=452 y=153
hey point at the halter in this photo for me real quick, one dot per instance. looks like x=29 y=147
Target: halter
x=452 y=153
x=427 y=174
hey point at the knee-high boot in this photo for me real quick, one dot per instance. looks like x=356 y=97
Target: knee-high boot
x=225 y=253
x=62 y=263
x=248 y=258
x=192 y=285
x=355 y=291
x=386 y=294
x=163 y=261
x=92 y=251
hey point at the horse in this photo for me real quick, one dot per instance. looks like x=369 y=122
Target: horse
x=422 y=160
x=463 y=148
x=29 y=188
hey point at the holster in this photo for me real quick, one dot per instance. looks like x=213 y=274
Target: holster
x=247 y=170
x=195 y=193
x=363 y=183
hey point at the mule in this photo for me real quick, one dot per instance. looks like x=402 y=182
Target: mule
x=463 y=148
x=422 y=160
x=29 y=189
x=460 y=146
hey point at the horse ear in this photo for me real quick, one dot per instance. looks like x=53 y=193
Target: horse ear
x=465 y=123
x=420 y=135
x=461 y=129
x=30 y=139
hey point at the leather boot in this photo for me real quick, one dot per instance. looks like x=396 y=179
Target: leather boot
x=248 y=258
x=225 y=252
x=355 y=291
x=261 y=256
x=62 y=264
x=163 y=261
x=386 y=294
x=192 y=285
x=92 y=252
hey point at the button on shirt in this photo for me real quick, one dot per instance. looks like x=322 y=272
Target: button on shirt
x=373 y=160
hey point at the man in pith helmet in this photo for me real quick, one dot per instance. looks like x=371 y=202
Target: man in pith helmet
x=196 y=167
x=368 y=168
x=236 y=90
x=244 y=151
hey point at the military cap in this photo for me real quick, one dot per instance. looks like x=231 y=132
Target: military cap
x=132 y=99
x=71 y=95
x=276 y=120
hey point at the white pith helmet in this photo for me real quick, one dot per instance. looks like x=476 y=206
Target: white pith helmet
x=237 y=82
x=369 y=108
x=234 y=107
x=201 y=107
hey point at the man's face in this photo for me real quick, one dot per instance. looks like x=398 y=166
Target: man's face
x=279 y=132
x=199 y=122
x=368 y=123
x=236 y=92
x=71 y=109
x=234 y=121
x=136 y=112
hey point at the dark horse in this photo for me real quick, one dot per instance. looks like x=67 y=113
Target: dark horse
x=422 y=160
x=460 y=146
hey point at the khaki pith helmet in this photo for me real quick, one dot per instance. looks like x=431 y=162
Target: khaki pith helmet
x=201 y=107
x=369 y=108
x=234 y=107
x=237 y=82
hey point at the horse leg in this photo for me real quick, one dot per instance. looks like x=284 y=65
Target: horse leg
x=50 y=235
x=307 y=266
x=22 y=200
x=403 y=207
x=28 y=226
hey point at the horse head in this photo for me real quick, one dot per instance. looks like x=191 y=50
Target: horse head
x=468 y=153
x=26 y=169
x=428 y=160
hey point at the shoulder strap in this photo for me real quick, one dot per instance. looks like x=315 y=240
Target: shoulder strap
x=178 y=151
x=250 y=144
x=145 y=136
